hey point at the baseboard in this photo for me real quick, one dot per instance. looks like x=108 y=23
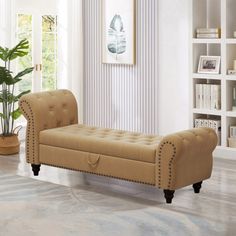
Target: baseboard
x=225 y=153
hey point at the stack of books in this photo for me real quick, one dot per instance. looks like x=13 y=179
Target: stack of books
x=208 y=33
x=208 y=96
x=210 y=123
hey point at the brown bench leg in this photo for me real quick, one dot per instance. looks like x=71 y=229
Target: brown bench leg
x=35 y=169
x=169 y=194
x=197 y=187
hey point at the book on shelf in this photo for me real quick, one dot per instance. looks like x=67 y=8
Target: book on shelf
x=204 y=96
x=198 y=95
x=208 y=96
x=208 y=30
x=215 y=97
x=208 y=36
x=208 y=33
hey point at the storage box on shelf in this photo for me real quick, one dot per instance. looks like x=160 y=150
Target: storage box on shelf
x=232 y=142
x=214 y=123
x=231 y=131
x=232 y=138
x=210 y=122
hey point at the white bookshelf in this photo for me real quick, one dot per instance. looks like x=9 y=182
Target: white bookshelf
x=207 y=112
x=215 y=14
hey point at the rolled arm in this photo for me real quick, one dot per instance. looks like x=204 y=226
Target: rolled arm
x=46 y=110
x=185 y=158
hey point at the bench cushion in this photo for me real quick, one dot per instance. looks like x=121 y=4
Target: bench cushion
x=118 y=143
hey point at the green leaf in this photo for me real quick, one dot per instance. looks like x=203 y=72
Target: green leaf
x=4 y=53
x=8 y=97
x=21 y=94
x=3 y=97
x=24 y=72
x=16 y=114
x=20 y=50
x=5 y=75
x=2 y=116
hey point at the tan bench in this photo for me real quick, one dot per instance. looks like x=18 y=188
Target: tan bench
x=55 y=138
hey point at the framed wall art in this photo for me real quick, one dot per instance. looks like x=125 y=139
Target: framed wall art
x=118 y=26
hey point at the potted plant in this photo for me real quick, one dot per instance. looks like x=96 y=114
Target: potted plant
x=9 y=112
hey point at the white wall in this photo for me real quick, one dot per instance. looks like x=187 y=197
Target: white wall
x=150 y=97
x=173 y=99
x=41 y=6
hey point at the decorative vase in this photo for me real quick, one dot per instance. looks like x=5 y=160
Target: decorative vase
x=9 y=144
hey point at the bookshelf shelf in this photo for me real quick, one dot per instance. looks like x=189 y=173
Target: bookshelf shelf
x=214 y=14
x=231 y=113
x=231 y=41
x=206 y=41
x=207 y=76
x=230 y=77
x=207 y=112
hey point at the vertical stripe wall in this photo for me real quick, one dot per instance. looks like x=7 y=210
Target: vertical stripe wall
x=122 y=96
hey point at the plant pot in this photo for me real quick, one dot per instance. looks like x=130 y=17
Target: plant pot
x=9 y=144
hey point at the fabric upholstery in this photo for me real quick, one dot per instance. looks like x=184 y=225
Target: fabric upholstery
x=137 y=171
x=44 y=111
x=185 y=158
x=118 y=143
x=55 y=138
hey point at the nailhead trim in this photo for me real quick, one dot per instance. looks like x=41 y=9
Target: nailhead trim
x=170 y=165
x=100 y=174
x=23 y=104
x=30 y=127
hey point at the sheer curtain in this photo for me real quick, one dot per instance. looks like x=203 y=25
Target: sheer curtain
x=70 y=49
x=6 y=22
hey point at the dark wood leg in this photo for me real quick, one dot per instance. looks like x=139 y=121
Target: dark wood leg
x=197 y=187
x=169 y=194
x=35 y=169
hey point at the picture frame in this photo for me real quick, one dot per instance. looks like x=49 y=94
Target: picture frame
x=209 y=65
x=118 y=32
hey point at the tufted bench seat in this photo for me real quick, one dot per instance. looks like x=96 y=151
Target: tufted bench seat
x=55 y=138
x=123 y=144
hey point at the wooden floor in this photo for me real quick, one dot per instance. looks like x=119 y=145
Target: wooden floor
x=212 y=212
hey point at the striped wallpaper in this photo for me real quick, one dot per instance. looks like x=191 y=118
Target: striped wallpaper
x=121 y=96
